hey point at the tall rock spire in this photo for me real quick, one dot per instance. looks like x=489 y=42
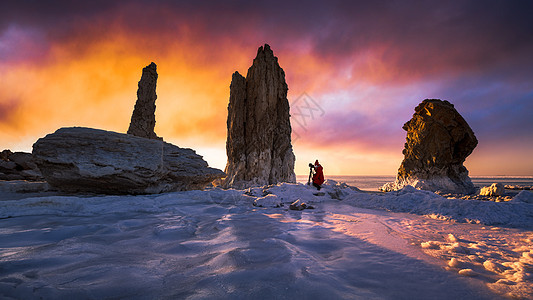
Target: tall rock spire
x=143 y=118
x=259 y=131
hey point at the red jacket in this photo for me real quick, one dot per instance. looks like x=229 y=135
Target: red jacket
x=318 y=178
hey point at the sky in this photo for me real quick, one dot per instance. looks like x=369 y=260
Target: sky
x=355 y=70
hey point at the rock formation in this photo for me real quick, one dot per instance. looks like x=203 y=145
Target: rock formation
x=258 y=145
x=90 y=160
x=143 y=118
x=494 y=190
x=438 y=142
x=18 y=166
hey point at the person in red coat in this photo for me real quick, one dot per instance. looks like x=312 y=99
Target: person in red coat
x=318 y=177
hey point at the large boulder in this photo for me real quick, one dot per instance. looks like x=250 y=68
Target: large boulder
x=438 y=142
x=143 y=118
x=81 y=159
x=18 y=166
x=494 y=190
x=259 y=131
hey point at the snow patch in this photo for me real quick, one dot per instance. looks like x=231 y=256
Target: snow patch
x=467 y=272
x=268 y=201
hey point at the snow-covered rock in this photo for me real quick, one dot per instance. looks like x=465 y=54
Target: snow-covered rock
x=491 y=266
x=338 y=190
x=268 y=201
x=495 y=189
x=467 y=272
x=455 y=263
x=436 y=184
x=298 y=205
x=97 y=161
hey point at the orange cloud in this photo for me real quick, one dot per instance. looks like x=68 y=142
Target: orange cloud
x=90 y=79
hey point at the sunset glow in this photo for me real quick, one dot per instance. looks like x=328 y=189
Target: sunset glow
x=366 y=67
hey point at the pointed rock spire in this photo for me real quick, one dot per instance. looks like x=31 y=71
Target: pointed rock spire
x=259 y=131
x=143 y=118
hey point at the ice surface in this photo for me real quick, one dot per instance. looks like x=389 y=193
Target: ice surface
x=517 y=212
x=524 y=196
x=217 y=244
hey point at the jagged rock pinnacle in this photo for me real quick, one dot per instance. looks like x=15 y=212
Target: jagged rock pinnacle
x=259 y=131
x=143 y=118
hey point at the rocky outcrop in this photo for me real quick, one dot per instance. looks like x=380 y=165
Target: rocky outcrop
x=90 y=160
x=18 y=166
x=494 y=190
x=259 y=131
x=143 y=118
x=438 y=142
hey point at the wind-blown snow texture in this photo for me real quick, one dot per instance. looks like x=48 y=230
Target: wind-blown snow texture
x=238 y=244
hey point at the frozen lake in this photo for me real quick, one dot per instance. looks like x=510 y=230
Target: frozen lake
x=216 y=244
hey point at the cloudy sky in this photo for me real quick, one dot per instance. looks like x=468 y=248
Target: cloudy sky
x=355 y=70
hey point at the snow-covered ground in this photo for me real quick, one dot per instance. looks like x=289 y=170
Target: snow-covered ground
x=248 y=245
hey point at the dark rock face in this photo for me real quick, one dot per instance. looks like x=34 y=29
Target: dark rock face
x=143 y=118
x=438 y=142
x=18 y=166
x=91 y=160
x=259 y=131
